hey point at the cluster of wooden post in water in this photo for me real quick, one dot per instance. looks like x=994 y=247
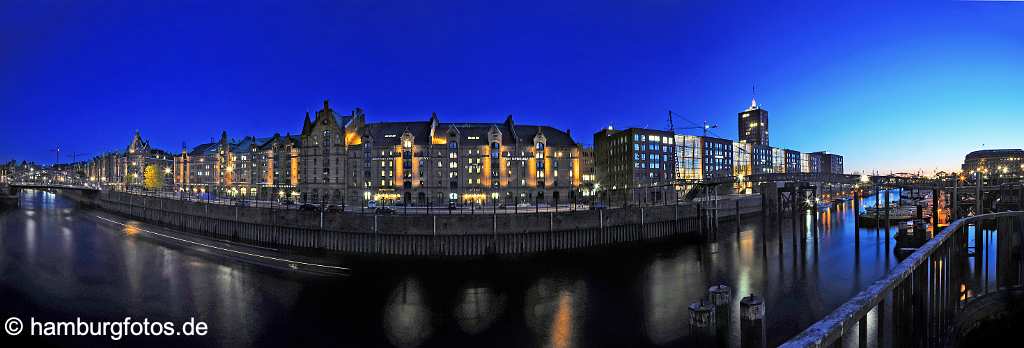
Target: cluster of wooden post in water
x=709 y=319
x=689 y=219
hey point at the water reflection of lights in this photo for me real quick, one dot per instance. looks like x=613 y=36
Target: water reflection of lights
x=478 y=308
x=552 y=309
x=665 y=301
x=30 y=239
x=131 y=228
x=407 y=316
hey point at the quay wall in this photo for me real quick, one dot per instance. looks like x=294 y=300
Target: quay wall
x=416 y=234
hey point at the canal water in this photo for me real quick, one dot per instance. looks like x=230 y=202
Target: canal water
x=59 y=262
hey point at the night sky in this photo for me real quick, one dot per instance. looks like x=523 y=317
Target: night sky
x=892 y=87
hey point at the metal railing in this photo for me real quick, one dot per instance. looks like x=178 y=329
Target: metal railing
x=916 y=303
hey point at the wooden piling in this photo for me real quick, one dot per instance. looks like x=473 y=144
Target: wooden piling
x=702 y=323
x=720 y=297
x=856 y=221
x=752 y=328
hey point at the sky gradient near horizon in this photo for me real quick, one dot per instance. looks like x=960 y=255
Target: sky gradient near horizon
x=892 y=87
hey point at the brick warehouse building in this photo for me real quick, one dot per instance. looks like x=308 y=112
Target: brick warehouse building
x=345 y=159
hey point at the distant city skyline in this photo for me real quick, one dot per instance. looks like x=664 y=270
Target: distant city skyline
x=901 y=87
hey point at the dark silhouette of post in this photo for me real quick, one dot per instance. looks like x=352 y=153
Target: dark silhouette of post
x=752 y=331
x=721 y=297
x=702 y=323
x=856 y=219
x=978 y=210
x=886 y=220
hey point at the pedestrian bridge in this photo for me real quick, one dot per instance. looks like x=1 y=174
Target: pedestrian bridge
x=42 y=186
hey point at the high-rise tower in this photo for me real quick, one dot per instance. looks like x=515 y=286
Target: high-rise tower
x=753 y=125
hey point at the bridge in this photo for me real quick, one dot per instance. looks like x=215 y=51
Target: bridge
x=46 y=179
x=831 y=178
x=43 y=186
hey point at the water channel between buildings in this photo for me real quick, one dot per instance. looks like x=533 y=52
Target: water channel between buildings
x=59 y=261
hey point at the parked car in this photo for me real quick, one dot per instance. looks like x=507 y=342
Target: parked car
x=307 y=207
x=453 y=205
x=371 y=204
x=384 y=211
x=242 y=203
x=331 y=208
x=287 y=202
x=523 y=205
x=598 y=206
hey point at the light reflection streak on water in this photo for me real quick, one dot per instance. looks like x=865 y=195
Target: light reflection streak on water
x=551 y=306
x=407 y=318
x=478 y=308
x=561 y=328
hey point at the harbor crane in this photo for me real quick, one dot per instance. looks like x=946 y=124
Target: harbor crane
x=706 y=127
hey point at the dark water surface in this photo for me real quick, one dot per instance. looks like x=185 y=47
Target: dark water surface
x=59 y=261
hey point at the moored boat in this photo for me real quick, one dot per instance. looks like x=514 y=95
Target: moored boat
x=875 y=216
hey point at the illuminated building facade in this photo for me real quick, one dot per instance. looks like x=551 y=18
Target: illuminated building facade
x=753 y=125
x=588 y=174
x=700 y=157
x=345 y=159
x=251 y=167
x=1008 y=162
x=830 y=163
x=636 y=164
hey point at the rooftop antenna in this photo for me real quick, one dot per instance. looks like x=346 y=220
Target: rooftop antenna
x=753 y=95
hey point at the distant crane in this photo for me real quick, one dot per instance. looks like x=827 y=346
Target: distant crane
x=57 y=150
x=706 y=127
x=75 y=155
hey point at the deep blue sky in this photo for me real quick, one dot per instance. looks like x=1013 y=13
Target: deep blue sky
x=903 y=86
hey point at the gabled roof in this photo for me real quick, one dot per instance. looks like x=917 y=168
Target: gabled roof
x=470 y=133
x=204 y=149
x=247 y=143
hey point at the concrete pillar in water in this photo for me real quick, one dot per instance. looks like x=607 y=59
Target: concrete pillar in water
x=702 y=323
x=752 y=331
x=721 y=297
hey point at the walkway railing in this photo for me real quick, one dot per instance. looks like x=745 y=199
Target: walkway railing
x=916 y=303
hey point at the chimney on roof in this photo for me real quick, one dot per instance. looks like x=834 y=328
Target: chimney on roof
x=325 y=104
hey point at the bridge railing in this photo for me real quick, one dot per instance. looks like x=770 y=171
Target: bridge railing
x=916 y=303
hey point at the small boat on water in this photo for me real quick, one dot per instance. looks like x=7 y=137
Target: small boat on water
x=876 y=216
x=915 y=198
